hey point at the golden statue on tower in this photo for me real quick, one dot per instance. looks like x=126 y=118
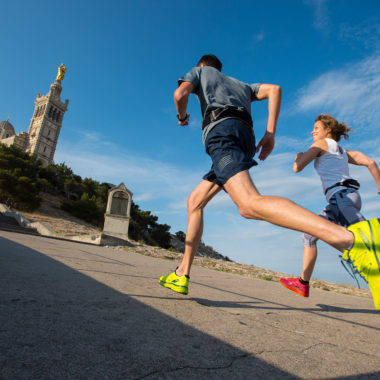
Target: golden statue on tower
x=61 y=72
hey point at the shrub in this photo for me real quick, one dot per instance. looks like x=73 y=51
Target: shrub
x=19 y=181
x=181 y=236
x=86 y=208
x=143 y=226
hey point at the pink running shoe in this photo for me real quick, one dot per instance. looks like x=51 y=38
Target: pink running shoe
x=295 y=285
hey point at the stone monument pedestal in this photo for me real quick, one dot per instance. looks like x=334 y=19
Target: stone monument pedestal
x=116 y=222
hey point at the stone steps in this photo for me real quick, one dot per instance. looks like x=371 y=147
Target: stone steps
x=7 y=223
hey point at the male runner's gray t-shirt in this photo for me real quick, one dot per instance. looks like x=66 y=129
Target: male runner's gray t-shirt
x=217 y=90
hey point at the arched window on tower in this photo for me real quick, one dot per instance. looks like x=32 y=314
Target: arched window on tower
x=58 y=116
x=50 y=111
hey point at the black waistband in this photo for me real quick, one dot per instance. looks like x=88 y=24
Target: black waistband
x=350 y=183
x=215 y=114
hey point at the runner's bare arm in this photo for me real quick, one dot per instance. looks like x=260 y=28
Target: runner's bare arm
x=359 y=158
x=181 y=98
x=304 y=159
x=273 y=93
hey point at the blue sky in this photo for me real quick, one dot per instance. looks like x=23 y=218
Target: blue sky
x=123 y=60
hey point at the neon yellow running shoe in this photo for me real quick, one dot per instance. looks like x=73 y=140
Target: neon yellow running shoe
x=364 y=256
x=176 y=283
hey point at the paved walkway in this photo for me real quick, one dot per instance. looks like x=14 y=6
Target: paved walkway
x=75 y=311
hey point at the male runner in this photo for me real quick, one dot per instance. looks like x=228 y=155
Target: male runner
x=229 y=140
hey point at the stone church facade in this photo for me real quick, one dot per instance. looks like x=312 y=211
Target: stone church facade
x=45 y=125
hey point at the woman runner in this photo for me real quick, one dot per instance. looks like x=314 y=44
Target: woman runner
x=341 y=190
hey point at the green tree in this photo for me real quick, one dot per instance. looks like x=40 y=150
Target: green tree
x=144 y=226
x=19 y=180
x=85 y=208
x=161 y=235
x=73 y=188
x=57 y=175
x=181 y=236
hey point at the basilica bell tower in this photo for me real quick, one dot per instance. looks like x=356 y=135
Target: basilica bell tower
x=46 y=122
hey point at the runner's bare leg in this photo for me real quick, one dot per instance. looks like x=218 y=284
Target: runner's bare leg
x=283 y=212
x=309 y=259
x=196 y=202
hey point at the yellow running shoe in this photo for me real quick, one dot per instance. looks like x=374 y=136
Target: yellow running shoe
x=176 y=283
x=364 y=256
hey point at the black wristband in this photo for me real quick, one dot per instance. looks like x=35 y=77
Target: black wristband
x=181 y=120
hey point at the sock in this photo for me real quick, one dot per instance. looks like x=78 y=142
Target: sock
x=303 y=282
x=179 y=275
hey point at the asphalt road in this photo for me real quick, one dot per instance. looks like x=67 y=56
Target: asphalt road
x=75 y=311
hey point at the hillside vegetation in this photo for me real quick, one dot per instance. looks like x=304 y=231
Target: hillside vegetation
x=22 y=179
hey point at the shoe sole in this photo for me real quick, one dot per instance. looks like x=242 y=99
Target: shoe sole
x=295 y=290
x=176 y=288
x=373 y=247
x=374 y=276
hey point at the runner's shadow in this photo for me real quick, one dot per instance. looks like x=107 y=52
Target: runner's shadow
x=234 y=304
x=337 y=309
x=259 y=305
x=321 y=310
x=276 y=305
x=56 y=322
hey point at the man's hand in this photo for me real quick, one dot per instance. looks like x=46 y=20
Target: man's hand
x=266 y=144
x=181 y=97
x=185 y=121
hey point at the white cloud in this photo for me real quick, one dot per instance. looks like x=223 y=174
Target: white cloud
x=148 y=179
x=144 y=196
x=256 y=39
x=321 y=14
x=179 y=204
x=275 y=177
x=221 y=200
x=366 y=33
x=93 y=138
x=292 y=144
x=259 y=37
x=351 y=93
x=195 y=122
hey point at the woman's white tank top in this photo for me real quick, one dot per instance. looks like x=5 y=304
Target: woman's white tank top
x=332 y=167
